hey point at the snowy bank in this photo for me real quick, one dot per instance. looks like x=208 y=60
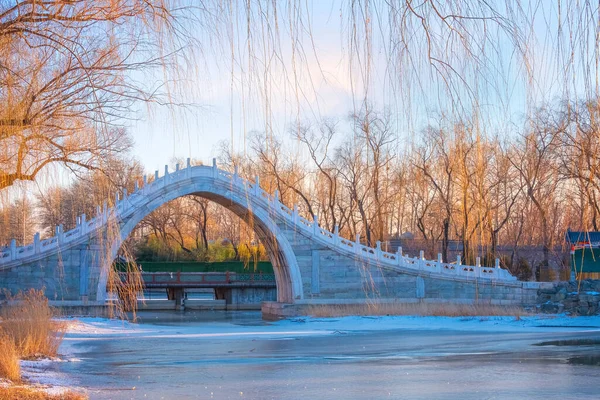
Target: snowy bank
x=43 y=374
x=98 y=328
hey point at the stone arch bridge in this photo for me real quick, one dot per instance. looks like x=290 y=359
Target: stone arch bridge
x=311 y=264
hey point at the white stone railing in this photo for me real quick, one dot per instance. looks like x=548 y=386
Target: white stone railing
x=126 y=204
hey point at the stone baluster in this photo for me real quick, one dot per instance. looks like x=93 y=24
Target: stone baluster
x=316 y=225
x=177 y=167
x=82 y=224
x=295 y=214
x=257 y=186
x=336 y=235
x=478 y=266
x=497 y=263
x=13 y=249
x=214 y=167
x=276 y=199
x=166 y=177
x=235 y=173
x=421 y=260
x=155 y=175
x=378 y=249
x=458 y=268
x=36 y=243
x=188 y=167
x=399 y=256
x=136 y=186
x=145 y=180
x=59 y=233
x=440 y=262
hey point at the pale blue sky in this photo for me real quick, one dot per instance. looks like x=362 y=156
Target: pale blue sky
x=229 y=105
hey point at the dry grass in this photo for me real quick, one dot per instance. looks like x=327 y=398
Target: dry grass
x=420 y=309
x=9 y=359
x=27 y=320
x=24 y=393
x=27 y=331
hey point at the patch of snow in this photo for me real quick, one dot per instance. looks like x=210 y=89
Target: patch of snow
x=42 y=374
x=101 y=329
x=593 y=293
x=99 y=326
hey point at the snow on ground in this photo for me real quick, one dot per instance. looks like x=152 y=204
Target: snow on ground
x=98 y=328
x=42 y=374
x=537 y=323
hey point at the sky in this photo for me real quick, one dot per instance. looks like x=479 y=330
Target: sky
x=228 y=106
x=233 y=94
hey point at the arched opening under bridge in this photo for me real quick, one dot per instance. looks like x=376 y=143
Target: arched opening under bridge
x=241 y=202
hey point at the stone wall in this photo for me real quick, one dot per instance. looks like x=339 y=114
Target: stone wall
x=327 y=274
x=71 y=274
x=576 y=298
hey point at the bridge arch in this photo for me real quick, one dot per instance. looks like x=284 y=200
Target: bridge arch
x=236 y=198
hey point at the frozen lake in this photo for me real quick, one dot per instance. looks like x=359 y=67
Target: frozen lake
x=237 y=355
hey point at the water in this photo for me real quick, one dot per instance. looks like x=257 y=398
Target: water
x=174 y=363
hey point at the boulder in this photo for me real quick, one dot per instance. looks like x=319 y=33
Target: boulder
x=583 y=310
x=547 y=291
x=549 y=307
x=561 y=294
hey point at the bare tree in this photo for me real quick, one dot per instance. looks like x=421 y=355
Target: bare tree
x=580 y=160
x=65 y=78
x=17 y=221
x=433 y=159
x=375 y=129
x=537 y=167
x=318 y=143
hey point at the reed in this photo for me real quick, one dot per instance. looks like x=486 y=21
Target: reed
x=9 y=359
x=24 y=393
x=418 y=309
x=27 y=321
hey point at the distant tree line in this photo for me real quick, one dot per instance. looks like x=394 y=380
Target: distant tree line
x=452 y=182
